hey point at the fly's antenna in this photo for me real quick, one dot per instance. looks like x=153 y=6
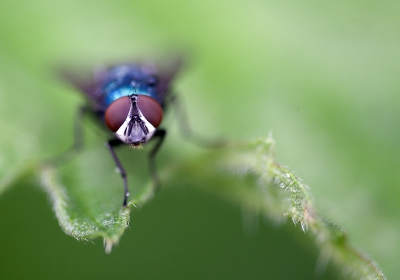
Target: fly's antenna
x=134 y=85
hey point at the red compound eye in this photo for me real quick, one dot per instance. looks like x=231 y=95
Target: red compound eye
x=117 y=112
x=151 y=110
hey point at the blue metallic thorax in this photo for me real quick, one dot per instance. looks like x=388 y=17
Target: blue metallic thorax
x=125 y=80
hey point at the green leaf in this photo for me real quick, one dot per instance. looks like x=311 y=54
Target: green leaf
x=20 y=127
x=87 y=196
x=249 y=175
x=89 y=203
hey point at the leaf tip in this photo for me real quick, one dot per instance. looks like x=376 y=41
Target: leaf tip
x=108 y=244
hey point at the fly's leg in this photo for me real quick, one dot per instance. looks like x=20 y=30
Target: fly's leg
x=78 y=128
x=111 y=144
x=186 y=130
x=77 y=145
x=159 y=135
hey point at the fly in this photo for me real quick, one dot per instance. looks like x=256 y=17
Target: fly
x=128 y=100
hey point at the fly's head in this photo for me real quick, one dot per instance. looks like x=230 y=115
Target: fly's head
x=136 y=129
x=134 y=118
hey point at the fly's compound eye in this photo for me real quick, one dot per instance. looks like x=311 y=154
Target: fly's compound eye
x=118 y=111
x=150 y=109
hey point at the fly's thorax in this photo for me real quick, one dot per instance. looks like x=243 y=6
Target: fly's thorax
x=134 y=118
x=124 y=80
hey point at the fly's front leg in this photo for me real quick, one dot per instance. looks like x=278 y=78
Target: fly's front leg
x=77 y=145
x=111 y=144
x=186 y=130
x=159 y=135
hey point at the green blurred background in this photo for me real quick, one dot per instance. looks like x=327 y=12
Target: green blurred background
x=322 y=76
